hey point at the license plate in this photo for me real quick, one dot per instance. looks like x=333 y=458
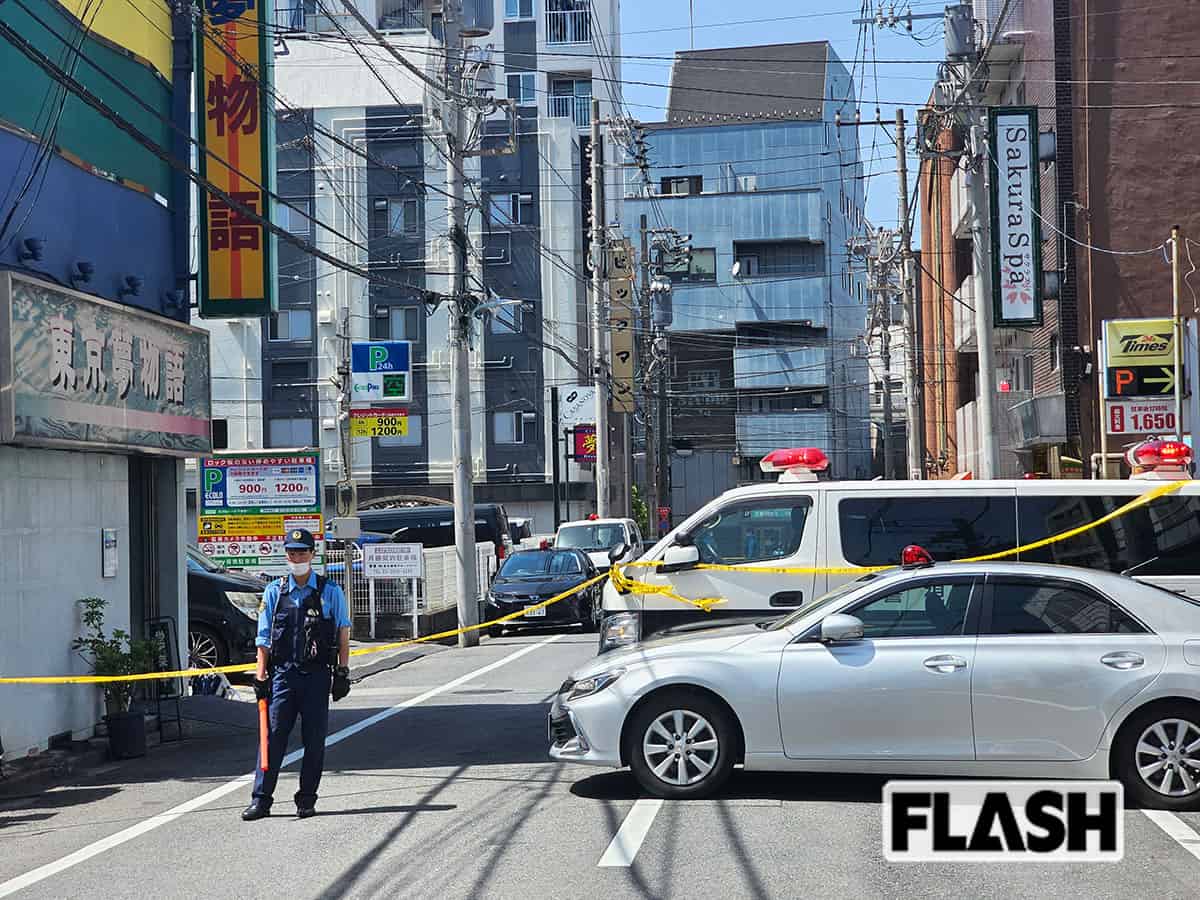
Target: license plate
x=535 y=613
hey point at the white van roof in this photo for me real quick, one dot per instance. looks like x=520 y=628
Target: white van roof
x=1023 y=486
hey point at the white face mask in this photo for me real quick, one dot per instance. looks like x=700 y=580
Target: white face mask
x=299 y=568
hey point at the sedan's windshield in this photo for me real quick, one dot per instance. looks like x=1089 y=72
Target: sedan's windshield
x=824 y=600
x=536 y=563
x=590 y=537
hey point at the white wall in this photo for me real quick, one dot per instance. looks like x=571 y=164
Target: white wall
x=53 y=505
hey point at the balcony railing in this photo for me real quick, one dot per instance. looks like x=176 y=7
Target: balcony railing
x=577 y=108
x=568 y=26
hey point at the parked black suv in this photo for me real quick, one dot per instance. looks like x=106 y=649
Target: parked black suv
x=433 y=526
x=222 y=612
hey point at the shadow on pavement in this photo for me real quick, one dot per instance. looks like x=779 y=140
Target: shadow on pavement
x=785 y=786
x=408 y=808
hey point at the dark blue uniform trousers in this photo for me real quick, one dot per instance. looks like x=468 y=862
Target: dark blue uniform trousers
x=295 y=692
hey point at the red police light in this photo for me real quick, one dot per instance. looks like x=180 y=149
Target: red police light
x=1159 y=458
x=811 y=458
x=593 y=517
x=544 y=545
x=914 y=556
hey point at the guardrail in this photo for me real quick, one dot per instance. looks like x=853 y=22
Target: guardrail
x=568 y=27
x=375 y=598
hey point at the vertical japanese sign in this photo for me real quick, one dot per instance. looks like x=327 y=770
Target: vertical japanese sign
x=621 y=319
x=234 y=123
x=1016 y=203
x=252 y=500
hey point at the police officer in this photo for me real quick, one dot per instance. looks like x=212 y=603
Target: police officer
x=304 y=624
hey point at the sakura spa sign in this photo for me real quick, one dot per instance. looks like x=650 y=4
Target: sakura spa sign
x=1016 y=231
x=81 y=372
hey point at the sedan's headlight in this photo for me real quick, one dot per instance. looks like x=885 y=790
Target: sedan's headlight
x=593 y=684
x=245 y=602
x=620 y=630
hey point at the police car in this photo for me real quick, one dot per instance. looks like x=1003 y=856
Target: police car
x=825 y=532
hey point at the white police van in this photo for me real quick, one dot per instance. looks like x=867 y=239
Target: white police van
x=801 y=522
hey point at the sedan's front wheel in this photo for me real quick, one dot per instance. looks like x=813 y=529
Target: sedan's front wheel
x=681 y=746
x=1158 y=757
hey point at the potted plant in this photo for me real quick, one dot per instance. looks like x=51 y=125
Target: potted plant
x=117 y=654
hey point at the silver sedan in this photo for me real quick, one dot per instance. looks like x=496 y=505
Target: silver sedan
x=992 y=669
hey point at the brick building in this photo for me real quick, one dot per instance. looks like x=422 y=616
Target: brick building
x=1108 y=81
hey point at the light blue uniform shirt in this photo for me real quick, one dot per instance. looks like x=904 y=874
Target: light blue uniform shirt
x=333 y=605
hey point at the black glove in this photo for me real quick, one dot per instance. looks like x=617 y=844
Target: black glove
x=262 y=689
x=341 y=683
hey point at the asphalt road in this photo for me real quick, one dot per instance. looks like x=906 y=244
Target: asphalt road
x=438 y=786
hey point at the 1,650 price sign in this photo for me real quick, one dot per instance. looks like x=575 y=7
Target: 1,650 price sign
x=379 y=422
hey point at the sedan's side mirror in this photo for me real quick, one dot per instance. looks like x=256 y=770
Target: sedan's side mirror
x=615 y=553
x=840 y=627
x=678 y=558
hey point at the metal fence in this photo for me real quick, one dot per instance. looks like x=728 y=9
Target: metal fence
x=376 y=598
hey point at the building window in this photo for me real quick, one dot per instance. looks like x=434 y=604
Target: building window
x=296 y=218
x=412 y=439
x=682 y=185
x=403 y=323
x=522 y=88
x=396 y=216
x=571 y=99
x=704 y=379
x=511 y=427
x=781 y=257
x=518 y=9
x=289 y=432
x=507 y=320
x=510 y=209
x=568 y=22
x=290 y=325
x=1055 y=353
x=702 y=266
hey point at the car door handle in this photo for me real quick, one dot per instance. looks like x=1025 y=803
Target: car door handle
x=787 y=598
x=1123 y=659
x=945 y=664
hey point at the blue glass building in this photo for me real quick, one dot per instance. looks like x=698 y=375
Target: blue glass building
x=767 y=339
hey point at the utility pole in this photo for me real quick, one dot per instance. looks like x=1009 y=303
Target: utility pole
x=603 y=461
x=460 y=332
x=347 y=495
x=645 y=345
x=1177 y=326
x=912 y=400
x=883 y=319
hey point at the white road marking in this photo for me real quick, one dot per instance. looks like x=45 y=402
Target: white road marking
x=1176 y=829
x=628 y=839
x=115 y=840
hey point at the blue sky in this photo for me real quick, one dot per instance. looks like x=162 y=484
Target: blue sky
x=660 y=27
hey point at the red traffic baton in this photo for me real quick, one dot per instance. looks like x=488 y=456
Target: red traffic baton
x=262 y=735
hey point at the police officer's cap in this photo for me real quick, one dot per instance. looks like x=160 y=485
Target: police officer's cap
x=300 y=539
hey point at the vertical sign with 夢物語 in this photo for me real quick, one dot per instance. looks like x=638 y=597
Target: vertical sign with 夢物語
x=1016 y=211
x=234 y=125
x=380 y=370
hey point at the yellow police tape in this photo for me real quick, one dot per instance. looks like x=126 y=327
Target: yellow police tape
x=625 y=584
x=242 y=667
